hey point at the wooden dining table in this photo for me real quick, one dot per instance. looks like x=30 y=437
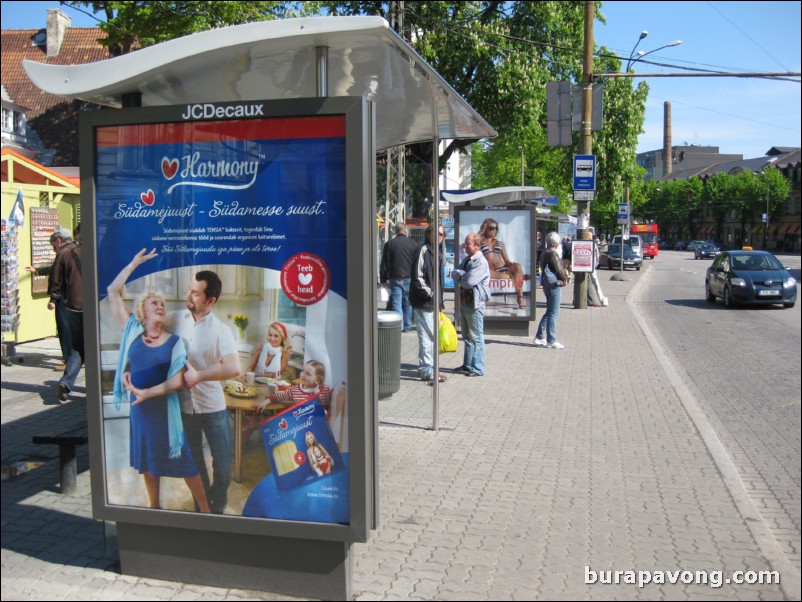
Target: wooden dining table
x=239 y=405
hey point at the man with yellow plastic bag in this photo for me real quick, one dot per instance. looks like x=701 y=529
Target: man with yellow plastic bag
x=421 y=297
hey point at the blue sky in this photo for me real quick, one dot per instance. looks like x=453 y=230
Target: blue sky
x=741 y=116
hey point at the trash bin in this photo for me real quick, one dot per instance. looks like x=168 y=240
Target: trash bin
x=389 y=352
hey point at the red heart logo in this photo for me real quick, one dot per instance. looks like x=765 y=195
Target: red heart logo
x=282 y=424
x=169 y=168
x=300 y=458
x=148 y=197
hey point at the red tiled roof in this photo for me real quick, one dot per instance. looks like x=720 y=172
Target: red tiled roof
x=54 y=118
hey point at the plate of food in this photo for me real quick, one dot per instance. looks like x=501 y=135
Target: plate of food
x=238 y=390
x=264 y=380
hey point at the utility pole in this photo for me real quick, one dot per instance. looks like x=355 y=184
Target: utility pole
x=585 y=148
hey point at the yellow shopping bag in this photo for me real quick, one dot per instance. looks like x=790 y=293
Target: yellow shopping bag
x=447 y=335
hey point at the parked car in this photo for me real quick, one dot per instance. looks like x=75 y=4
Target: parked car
x=749 y=277
x=706 y=250
x=680 y=245
x=612 y=257
x=691 y=246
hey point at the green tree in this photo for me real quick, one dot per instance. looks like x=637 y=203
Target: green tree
x=754 y=193
x=673 y=205
x=676 y=204
x=130 y=25
x=497 y=55
x=615 y=146
x=716 y=196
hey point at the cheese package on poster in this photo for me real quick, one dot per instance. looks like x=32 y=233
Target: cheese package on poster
x=300 y=445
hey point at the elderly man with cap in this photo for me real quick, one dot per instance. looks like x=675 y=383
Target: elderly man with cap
x=66 y=287
x=62 y=318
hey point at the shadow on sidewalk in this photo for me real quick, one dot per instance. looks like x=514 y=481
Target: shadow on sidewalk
x=59 y=538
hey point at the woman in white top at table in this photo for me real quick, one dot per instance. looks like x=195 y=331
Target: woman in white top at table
x=272 y=357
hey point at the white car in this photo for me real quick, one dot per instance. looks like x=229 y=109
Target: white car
x=633 y=241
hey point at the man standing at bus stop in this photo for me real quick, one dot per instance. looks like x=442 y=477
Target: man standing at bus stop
x=472 y=279
x=396 y=268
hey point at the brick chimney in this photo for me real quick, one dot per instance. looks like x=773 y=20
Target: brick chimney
x=57 y=25
x=668 y=160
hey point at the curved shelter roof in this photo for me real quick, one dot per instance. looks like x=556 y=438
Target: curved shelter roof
x=490 y=197
x=277 y=60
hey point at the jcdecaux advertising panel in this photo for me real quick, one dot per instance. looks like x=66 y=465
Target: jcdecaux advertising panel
x=221 y=279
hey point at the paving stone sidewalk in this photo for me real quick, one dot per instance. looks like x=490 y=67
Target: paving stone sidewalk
x=554 y=469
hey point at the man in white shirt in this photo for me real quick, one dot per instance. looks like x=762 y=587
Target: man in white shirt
x=211 y=358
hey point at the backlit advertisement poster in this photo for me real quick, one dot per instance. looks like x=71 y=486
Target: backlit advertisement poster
x=507 y=245
x=222 y=317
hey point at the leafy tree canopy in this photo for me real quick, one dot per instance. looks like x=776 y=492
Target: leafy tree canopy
x=135 y=24
x=497 y=55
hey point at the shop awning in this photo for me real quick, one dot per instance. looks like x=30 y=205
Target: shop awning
x=757 y=229
x=280 y=60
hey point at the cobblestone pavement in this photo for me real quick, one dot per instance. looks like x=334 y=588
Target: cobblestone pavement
x=547 y=475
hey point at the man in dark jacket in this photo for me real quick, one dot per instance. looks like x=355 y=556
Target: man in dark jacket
x=66 y=286
x=396 y=266
x=421 y=297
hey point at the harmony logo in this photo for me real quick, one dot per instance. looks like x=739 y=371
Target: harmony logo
x=304 y=410
x=212 y=111
x=169 y=168
x=197 y=172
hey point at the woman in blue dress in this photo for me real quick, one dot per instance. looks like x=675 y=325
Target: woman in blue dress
x=151 y=370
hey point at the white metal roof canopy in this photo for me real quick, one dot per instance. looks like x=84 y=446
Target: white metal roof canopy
x=277 y=59
x=491 y=197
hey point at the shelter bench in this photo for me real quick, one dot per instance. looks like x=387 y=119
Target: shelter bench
x=67 y=441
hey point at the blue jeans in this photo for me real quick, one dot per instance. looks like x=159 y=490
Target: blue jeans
x=399 y=301
x=472 y=323
x=216 y=427
x=75 y=359
x=424 y=322
x=548 y=323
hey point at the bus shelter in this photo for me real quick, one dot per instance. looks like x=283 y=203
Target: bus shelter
x=247 y=152
x=506 y=217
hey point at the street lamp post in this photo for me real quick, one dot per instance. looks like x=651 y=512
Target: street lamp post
x=643 y=34
x=642 y=54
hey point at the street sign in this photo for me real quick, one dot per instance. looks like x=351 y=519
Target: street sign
x=584 y=195
x=584 y=172
x=623 y=213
